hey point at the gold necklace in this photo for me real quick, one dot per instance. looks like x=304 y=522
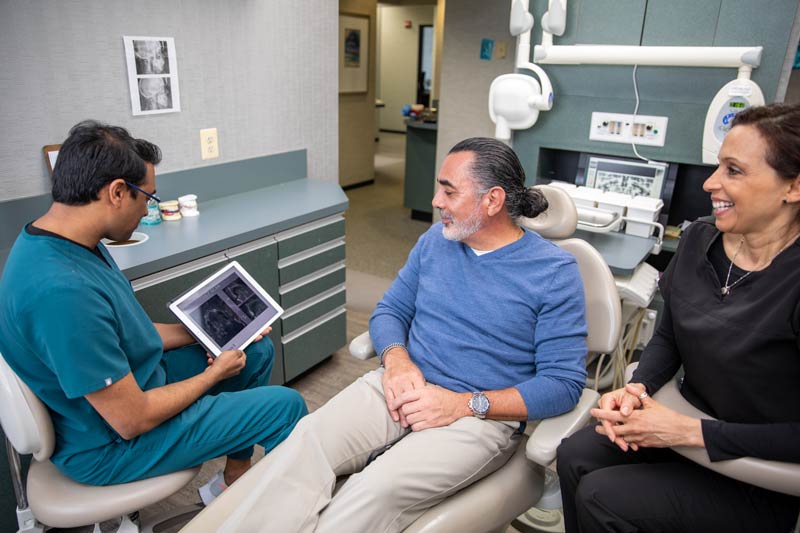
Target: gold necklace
x=726 y=289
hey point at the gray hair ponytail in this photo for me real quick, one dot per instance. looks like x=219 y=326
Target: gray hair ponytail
x=496 y=165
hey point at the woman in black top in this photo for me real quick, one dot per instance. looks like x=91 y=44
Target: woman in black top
x=732 y=320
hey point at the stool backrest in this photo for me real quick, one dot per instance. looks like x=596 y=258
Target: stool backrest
x=25 y=419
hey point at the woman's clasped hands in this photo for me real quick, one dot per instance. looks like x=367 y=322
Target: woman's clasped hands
x=631 y=419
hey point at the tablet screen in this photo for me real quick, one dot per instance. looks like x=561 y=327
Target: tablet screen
x=227 y=310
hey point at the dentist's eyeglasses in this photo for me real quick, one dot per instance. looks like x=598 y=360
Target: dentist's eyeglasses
x=151 y=196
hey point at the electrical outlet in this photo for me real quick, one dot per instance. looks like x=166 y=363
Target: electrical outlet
x=209 y=143
x=620 y=128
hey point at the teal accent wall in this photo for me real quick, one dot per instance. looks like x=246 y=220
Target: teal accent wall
x=680 y=93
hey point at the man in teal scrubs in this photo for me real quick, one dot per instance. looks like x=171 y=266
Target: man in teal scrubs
x=129 y=399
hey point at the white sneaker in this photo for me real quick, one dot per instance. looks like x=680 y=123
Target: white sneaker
x=212 y=488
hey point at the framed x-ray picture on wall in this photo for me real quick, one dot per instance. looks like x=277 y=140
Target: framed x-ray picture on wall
x=152 y=75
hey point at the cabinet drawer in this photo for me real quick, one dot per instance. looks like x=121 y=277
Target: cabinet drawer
x=155 y=291
x=277 y=376
x=313 y=344
x=310 y=310
x=310 y=235
x=306 y=287
x=304 y=263
x=260 y=259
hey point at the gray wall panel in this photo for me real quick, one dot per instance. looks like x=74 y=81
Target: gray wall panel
x=666 y=23
x=681 y=93
x=603 y=21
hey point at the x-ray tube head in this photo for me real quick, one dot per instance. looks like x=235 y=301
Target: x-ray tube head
x=514 y=101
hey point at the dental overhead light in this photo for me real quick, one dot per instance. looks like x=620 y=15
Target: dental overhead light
x=515 y=100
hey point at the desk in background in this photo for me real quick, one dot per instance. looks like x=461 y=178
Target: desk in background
x=420 y=175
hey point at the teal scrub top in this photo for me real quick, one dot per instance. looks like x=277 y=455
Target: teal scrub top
x=71 y=325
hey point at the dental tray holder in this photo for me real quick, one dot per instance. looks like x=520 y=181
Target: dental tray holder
x=595 y=220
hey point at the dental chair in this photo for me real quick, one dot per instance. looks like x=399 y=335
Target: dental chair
x=772 y=475
x=493 y=502
x=53 y=500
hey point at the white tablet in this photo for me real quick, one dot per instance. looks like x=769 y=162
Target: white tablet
x=227 y=310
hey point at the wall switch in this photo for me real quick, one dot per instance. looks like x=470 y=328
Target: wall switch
x=209 y=145
x=620 y=128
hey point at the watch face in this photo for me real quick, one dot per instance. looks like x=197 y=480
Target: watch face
x=480 y=403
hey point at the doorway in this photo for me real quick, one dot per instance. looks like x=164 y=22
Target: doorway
x=425 y=65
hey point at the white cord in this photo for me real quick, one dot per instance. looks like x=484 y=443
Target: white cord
x=635 y=112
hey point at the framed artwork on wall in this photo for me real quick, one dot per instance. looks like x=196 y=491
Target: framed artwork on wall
x=353 y=53
x=152 y=75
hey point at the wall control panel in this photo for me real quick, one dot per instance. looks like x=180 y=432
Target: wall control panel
x=620 y=128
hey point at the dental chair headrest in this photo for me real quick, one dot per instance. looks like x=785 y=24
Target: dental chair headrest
x=560 y=219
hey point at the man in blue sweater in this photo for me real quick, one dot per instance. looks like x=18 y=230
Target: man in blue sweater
x=482 y=330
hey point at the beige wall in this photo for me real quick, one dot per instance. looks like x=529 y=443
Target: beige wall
x=438 y=36
x=399 y=53
x=465 y=78
x=357 y=111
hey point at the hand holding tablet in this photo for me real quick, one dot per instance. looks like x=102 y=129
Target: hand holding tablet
x=227 y=311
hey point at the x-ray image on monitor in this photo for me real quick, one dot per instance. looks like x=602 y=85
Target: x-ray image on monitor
x=627 y=177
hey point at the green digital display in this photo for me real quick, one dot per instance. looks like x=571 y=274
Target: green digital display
x=737 y=105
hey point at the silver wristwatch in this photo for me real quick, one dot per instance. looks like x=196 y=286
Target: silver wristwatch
x=479 y=404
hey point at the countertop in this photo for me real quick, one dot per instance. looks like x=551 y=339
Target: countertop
x=226 y=222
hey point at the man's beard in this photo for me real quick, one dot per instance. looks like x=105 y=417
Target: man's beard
x=460 y=230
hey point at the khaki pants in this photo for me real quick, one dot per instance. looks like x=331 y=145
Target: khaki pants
x=294 y=491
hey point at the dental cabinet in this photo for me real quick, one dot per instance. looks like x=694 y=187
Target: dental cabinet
x=302 y=268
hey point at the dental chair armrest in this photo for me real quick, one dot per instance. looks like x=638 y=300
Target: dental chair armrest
x=544 y=441
x=772 y=475
x=361 y=347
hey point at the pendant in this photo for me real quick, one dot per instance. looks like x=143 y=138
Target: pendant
x=725 y=290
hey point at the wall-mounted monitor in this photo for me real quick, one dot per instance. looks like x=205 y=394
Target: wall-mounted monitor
x=629 y=176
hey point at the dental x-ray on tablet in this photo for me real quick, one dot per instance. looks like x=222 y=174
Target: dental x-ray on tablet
x=226 y=311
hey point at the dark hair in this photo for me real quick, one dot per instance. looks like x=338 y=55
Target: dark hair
x=779 y=124
x=94 y=155
x=496 y=165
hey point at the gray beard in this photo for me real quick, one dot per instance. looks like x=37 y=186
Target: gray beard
x=462 y=230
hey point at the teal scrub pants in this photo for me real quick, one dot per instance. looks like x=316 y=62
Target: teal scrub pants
x=235 y=414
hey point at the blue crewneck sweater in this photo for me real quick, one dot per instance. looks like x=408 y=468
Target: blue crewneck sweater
x=514 y=317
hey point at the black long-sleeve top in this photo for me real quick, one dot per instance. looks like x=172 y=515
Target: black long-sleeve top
x=740 y=352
